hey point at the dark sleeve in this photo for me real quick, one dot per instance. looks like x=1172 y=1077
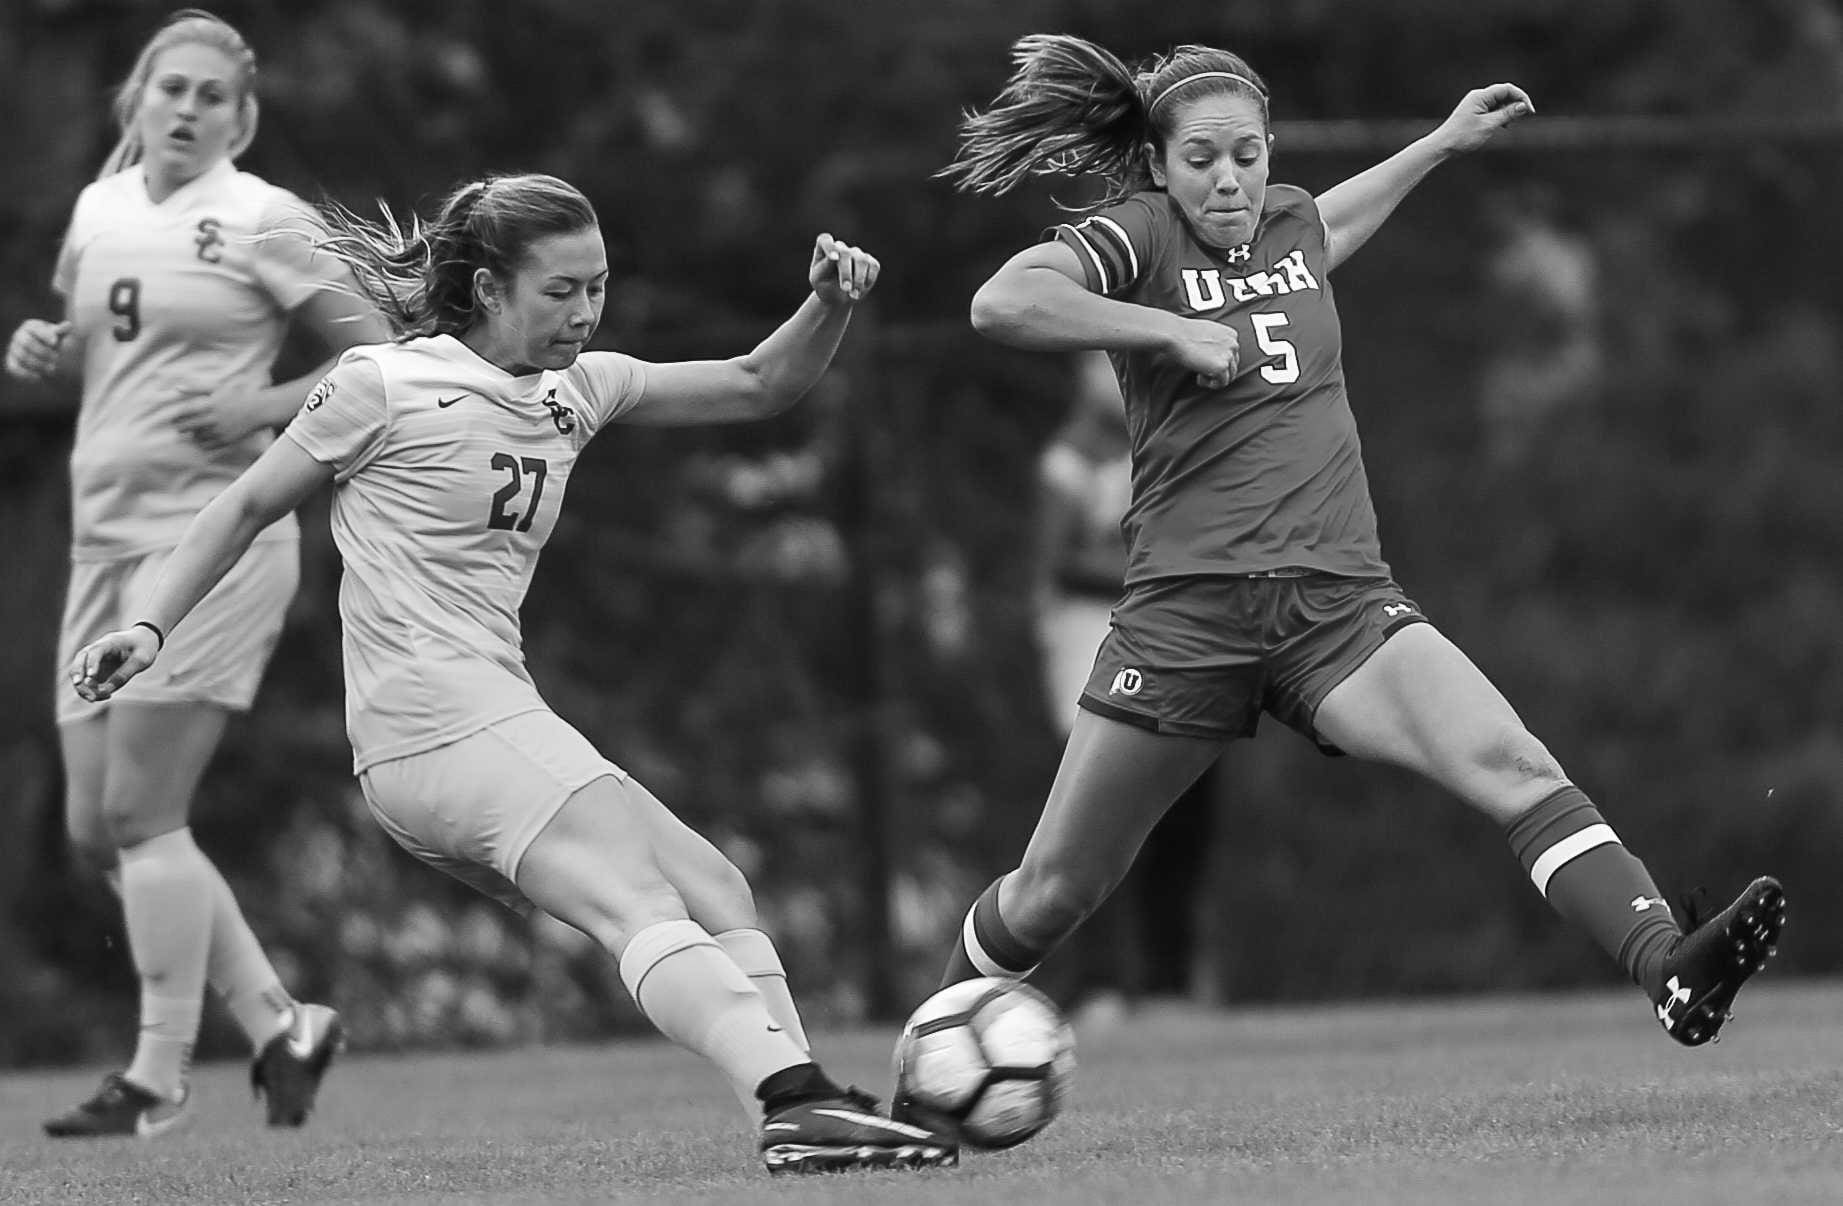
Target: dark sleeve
x=1116 y=244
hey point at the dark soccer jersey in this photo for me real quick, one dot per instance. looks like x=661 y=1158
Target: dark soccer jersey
x=1267 y=472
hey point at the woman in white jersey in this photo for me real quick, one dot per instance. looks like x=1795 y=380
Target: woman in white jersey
x=180 y=276
x=449 y=452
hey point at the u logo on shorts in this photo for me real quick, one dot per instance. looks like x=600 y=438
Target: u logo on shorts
x=1127 y=682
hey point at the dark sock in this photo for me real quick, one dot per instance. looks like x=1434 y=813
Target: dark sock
x=994 y=949
x=1577 y=862
x=791 y=1086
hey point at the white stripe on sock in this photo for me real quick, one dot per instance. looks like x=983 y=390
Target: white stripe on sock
x=1566 y=851
x=977 y=955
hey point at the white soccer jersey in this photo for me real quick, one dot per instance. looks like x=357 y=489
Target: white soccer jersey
x=168 y=300
x=449 y=473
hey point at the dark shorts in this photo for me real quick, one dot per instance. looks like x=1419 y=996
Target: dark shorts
x=1205 y=656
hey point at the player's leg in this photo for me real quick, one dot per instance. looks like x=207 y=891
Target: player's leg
x=1177 y=676
x=1420 y=703
x=153 y=1100
x=83 y=744
x=119 y=1106
x=1115 y=781
x=717 y=896
x=218 y=655
x=91 y=608
x=597 y=866
x=156 y=755
x=605 y=864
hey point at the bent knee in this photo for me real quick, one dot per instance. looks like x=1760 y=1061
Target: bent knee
x=1511 y=768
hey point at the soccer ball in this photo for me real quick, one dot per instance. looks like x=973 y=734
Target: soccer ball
x=992 y=1055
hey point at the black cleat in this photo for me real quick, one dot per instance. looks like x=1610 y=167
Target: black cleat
x=120 y=1107
x=838 y=1133
x=1711 y=962
x=288 y=1069
x=904 y=1108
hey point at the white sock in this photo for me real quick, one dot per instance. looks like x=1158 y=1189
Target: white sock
x=697 y=997
x=236 y=966
x=754 y=953
x=166 y=899
x=241 y=972
x=163 y=1053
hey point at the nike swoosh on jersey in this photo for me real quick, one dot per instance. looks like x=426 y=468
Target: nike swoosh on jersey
x=445 y=403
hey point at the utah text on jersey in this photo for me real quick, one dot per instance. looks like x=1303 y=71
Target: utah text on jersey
x=1209 y=289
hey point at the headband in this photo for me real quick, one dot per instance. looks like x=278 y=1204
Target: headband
x=1205 y=75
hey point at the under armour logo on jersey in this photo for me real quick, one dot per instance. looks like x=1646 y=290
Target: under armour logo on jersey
x=563 y=416
x=1240 y=255
x=1397 y=609
x=1127 y=682
x=1641 y=903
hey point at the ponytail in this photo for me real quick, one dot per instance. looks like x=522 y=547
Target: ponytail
x=1070 y=108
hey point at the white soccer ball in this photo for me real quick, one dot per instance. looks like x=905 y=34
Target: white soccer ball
x=994 y=1056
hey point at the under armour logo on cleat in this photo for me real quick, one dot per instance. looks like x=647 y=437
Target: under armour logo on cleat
x=1641 y=903
x=1679 y=995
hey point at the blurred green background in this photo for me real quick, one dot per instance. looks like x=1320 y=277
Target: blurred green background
x=1596 y=368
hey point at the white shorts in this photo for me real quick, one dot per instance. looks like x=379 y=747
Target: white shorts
x=216 y=655
x=472 y=807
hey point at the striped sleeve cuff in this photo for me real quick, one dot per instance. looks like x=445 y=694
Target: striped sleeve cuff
x=1108 y=259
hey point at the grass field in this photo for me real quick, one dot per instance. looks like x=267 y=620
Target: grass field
x=1567 y=1099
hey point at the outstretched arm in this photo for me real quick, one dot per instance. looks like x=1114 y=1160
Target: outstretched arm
x=1355 y=209
x=779 y=370
x=217 y=538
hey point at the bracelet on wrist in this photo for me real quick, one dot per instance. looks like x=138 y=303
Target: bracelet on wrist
x=154 y=628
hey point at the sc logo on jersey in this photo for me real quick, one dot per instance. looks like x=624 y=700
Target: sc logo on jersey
x=563 y=416
x=210 y=240
x=1127 y=682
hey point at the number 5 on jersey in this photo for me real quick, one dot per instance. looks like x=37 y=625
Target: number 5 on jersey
x=1287 y=370
x=503 y=517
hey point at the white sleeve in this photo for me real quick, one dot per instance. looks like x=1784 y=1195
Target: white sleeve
x=286 y=257
x=612 y=382
x=344 y=420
